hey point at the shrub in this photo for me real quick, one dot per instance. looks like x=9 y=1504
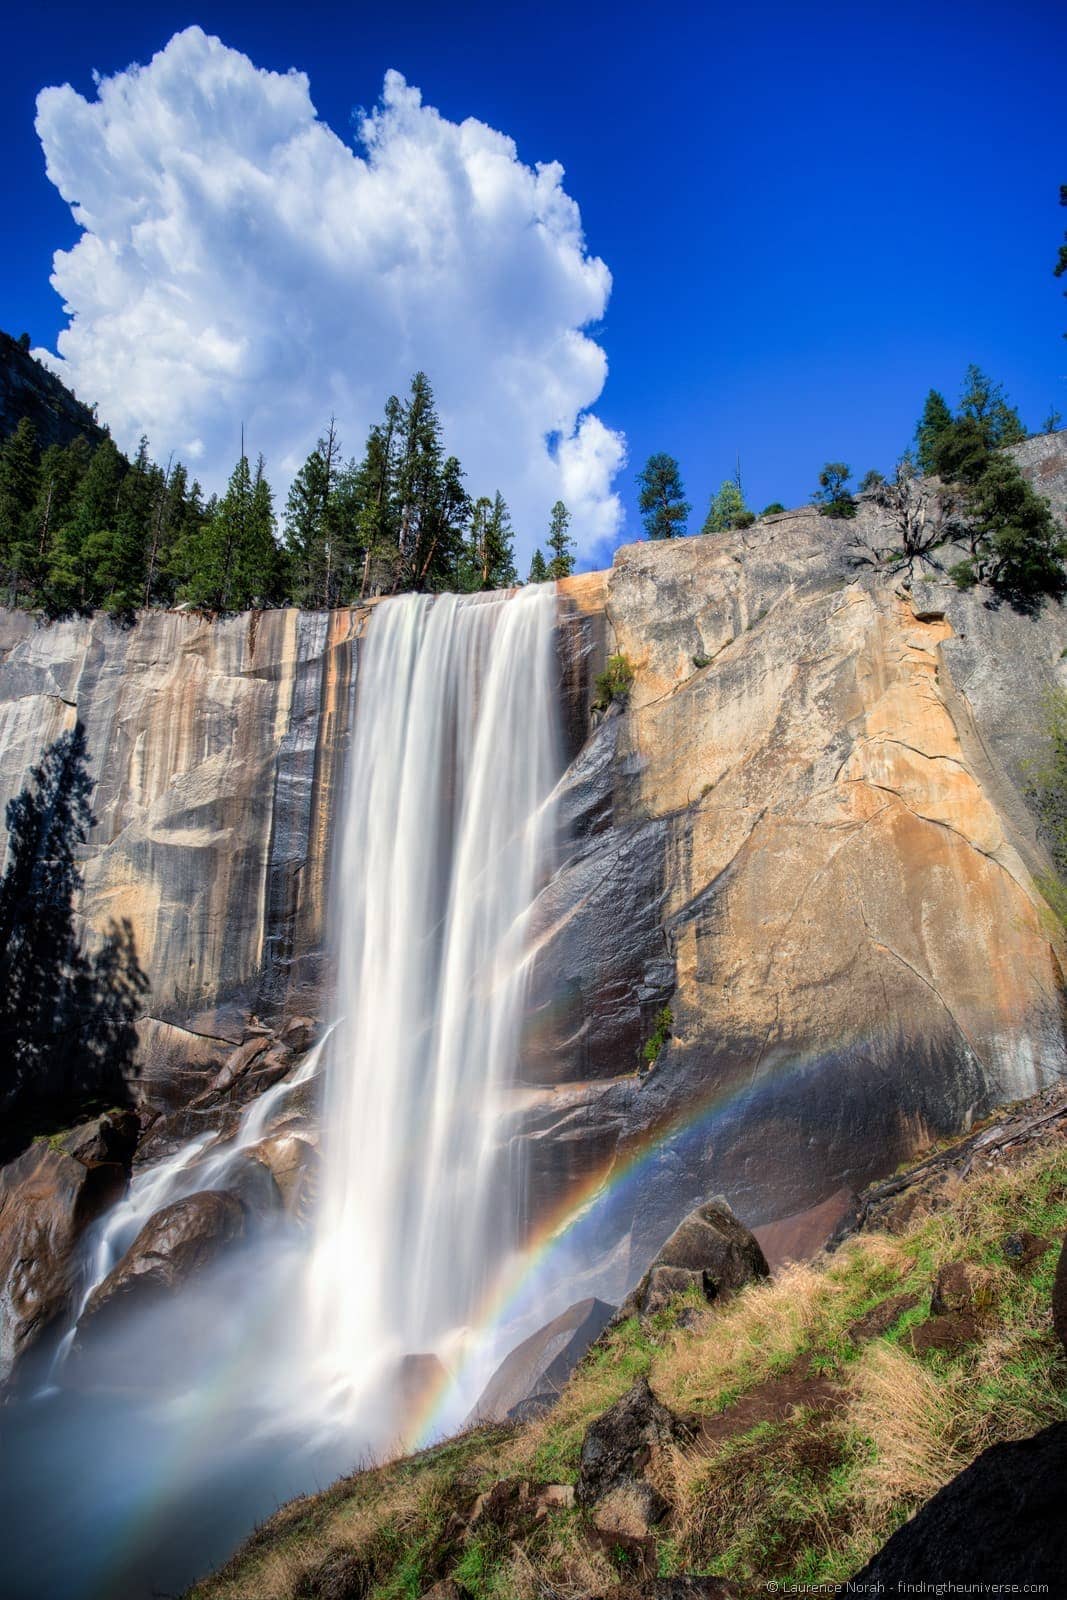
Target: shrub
x=744 y=519
x=658 y=1038
x=773 y=509
x=615 y=682
x=833 y=497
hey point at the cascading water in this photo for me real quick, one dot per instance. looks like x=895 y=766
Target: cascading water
x=447 y=835
x=273 y=1371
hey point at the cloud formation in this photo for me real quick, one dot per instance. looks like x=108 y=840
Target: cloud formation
x=240 y=263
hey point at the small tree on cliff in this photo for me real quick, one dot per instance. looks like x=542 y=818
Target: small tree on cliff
x=66 y=1022
x=662 y=501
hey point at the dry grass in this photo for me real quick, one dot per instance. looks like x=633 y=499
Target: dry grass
x=803 y=1495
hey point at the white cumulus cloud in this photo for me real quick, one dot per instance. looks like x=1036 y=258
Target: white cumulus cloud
x=240 y=263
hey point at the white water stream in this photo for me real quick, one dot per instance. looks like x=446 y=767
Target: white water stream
x=448 y=833
x=446 y=836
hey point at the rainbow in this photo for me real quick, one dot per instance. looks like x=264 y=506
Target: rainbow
x=616 y=1180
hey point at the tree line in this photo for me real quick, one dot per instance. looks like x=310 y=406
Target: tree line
x=955 y=484
x=85 y=529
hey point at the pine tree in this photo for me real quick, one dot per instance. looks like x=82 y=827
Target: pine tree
x=311 y=523
x=20 y=481
x=377 y=530
x=664 y=508
x=726 y=507
x=559 y=541
x=491 y=547
x=833 y=496
x=933 y=424
x=538 y=568
x=74 y=580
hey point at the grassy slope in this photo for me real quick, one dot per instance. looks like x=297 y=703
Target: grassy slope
x=811 y=1444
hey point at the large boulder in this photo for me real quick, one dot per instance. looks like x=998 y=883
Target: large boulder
x=47 y=1200
x=177 y=1244
x=619 y=1453
x=711 y=1250
x=999 y=1521
x=530 y=1377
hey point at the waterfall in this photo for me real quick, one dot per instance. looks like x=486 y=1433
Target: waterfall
x=447 y=834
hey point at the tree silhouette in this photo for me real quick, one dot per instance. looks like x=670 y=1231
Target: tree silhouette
x=66 y=1017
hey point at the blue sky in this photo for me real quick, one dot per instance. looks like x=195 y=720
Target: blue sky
x=811 y=215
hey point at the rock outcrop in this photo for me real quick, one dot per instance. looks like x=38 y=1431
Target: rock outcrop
x=710 y=1251
x=530 y=1378
x=1000 y=1521
x=804 y=832
x=175 y=1246
x=48 y=1197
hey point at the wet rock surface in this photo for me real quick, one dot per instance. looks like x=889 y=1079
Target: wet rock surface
x=1001 y=1521
x=176 y=1244
x=710 y=1251
x=618 y=1458
x=47 y=1200
x=529 y=1379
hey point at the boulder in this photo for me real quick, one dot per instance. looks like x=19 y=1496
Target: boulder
x=617 y=1452
x=47 y=1199
x=530 y=1377
x=999 y=1521
x=293 y=1164
x=710 y=1250
x=952 y=1290
x=176 y=1245
x=106 y=1139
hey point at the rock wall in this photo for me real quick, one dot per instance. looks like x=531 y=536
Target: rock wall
x=805 y=833
x=216 y=751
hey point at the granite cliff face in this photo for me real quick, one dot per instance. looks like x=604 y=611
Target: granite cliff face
x=805 y=832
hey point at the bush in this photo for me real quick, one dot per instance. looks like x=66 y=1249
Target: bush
x=744 y=519
x=658 y=1038
x=833 y=496
x=615 y=682
x=773 y=509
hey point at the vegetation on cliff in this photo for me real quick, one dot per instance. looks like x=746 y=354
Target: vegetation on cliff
x=818 y=1411
x=82 y=528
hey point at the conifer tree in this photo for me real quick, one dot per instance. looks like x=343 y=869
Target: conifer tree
x=491 y=553
x=20 y=479
x=934 y=422
x=664 y=508
x=726 y=507
x=311 y=523
x=538 y=568
x=560 y=543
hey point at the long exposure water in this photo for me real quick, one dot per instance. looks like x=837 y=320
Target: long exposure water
x=286 y=1364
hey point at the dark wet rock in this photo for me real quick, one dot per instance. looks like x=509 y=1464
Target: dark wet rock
x=874 y=1323
x=530 y=1377
x=176 y=1245
x=110 y=1138
x=1022 y=1249
x=1000 y=1521
x=617 y=1452
x=952 y=1290
x=47 y=1199
x=711 y=1251
x=947 y=1333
